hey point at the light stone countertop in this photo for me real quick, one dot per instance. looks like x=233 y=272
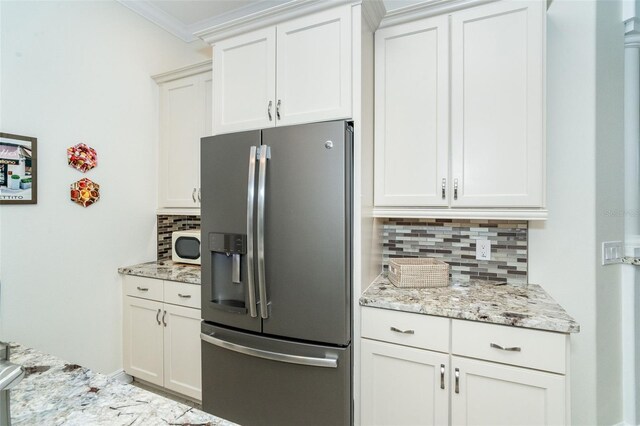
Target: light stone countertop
x=165 y=270
x=522 y=305
x=54 y=392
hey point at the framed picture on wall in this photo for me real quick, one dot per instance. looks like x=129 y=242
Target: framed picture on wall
x=18 y=169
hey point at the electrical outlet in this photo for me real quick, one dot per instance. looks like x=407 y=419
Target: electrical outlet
x=483 y=249
x=612 y=252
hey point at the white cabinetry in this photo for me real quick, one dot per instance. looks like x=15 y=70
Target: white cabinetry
x=488 y=374
x=412 y=114
x=486 y=393
x=471 y=136
x=497 y=104
x=296 y=72
x=161 y=339
x=403 y=386
x=185 y=117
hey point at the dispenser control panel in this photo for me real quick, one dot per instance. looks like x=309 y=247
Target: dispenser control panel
x=228 y=243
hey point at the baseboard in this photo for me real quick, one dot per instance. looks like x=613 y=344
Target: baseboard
x=121 y=376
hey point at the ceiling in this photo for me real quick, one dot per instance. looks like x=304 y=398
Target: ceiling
x=183 y=18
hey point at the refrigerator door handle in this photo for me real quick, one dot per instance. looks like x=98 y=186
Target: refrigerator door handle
x=265 y=153
x=251 y=288
x=273 y=356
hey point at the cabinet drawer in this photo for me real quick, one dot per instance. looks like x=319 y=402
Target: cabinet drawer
x=420 y=331
x=541 y=350
x=146 y=288
x=182 y=294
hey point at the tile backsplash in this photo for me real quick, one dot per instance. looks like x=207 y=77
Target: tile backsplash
x=169 y=223
x=454 y=241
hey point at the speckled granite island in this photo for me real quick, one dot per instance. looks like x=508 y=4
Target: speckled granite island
x=165 y=270
x=55 y=392
x=527 y=306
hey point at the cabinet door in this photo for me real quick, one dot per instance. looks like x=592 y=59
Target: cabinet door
x=143 y=339
x=182 y=371
x=314 y=68
x=495 y=394
x=244 y=82
x=412 y=114
x=498 y=105
x=182 y=124
x=403 y=386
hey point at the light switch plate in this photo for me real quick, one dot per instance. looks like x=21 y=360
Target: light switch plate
x=612 y=252
x=483 y=249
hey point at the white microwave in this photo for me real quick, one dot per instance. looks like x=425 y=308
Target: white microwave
x=185 y=246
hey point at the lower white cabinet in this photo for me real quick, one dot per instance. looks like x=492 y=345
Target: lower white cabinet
x=487 y=393
x=403 y=386
x=421 y=385
x=162 y=340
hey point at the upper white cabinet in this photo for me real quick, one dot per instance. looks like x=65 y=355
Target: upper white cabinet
x=460 y=110
x=244 y=85
x=185 y=117
x=314 y=68
x=497 y=109
x=412 y=114
x=296 y=72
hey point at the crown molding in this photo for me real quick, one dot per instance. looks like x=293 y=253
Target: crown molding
x=265 y=18
x=231 y=15
x=161 y=18
x=373 y=12
x=427 y=9
x=194 y=69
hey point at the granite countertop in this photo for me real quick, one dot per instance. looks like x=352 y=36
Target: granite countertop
x=165 y=270
x=57 y=393
x=527 y=306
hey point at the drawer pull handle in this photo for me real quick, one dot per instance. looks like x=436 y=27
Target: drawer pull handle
x=158 y=316
x=185 y=296
x=142 y=288
x=441 y=376
x=457 y=374
x=502 y=348
x=163 y=321
x=397 y=330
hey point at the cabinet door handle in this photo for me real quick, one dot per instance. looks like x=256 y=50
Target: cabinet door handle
x=502 y=348
x=199 y=198
x=455 y=189
x=278 y=109
x=158 y=316
x=441 y=376
x=193 y=195
x=184 y=296
x=269 y=110
x=142 y=288
x=163 y=321
x=397 y=330
x=444 y=188
x=457 y=374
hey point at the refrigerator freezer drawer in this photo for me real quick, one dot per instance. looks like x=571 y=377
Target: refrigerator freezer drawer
x=257 y=380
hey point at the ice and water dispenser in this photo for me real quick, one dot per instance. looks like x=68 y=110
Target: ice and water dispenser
x=229 y=271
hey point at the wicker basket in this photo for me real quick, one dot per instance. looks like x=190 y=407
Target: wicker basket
x=421 y=273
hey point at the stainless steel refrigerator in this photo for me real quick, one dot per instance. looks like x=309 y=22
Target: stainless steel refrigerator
x=276 y=275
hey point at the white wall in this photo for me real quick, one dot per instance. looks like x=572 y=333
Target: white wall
x=610 y=184
x=79 y=72
x=585 y=179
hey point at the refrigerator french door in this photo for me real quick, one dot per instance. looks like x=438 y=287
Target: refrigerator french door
x=276 y=275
